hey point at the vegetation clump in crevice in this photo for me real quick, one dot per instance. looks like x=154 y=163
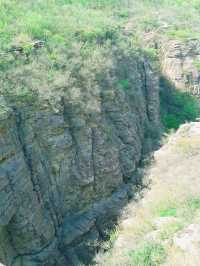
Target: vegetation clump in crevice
x=176 y=107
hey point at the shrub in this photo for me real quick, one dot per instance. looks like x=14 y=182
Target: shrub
x=176 y=107
x=124 y=84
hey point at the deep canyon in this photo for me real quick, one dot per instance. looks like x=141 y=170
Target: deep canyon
x=69 y=153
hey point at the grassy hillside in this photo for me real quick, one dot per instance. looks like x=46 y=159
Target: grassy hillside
x=59 y=22
x=56 y=22
x=78 y=38
x=52 y=45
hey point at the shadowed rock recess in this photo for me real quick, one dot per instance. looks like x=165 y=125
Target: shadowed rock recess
x=66 y=164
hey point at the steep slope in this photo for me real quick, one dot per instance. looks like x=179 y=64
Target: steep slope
x=162 y=228
x=65 y=159
x=180 y=64
x=79 y=107
x=79 y=98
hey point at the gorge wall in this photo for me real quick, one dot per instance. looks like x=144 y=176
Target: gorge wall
x=65 y=166
x=180 y=62
x=79 y=109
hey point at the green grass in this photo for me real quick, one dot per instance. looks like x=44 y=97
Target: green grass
x=112 y=237
x=170 y=229
x=56 y=22
x=124 y=84
x=168 y=212
x=190 y=209
x=77 y=35
x=150 y=254
x=194 y=204
x=182 y=34
x=63 y=21
x=180 y=209
x=153 y=253
x=88 y=24
x=184 y=212
x=197 y=64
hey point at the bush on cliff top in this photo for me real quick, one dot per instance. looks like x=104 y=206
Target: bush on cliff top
x=56 y=22
x=63 y=21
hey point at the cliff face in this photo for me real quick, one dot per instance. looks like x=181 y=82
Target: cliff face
x=181 y=64
x=65 y=167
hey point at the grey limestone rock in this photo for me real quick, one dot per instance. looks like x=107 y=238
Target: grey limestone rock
x=64 y=169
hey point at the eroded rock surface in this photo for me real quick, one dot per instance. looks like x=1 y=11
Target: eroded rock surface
x=64 y=168
x=181 y=64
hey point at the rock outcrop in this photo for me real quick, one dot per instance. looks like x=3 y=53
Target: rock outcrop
x=65 y=167
x=181 y=64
